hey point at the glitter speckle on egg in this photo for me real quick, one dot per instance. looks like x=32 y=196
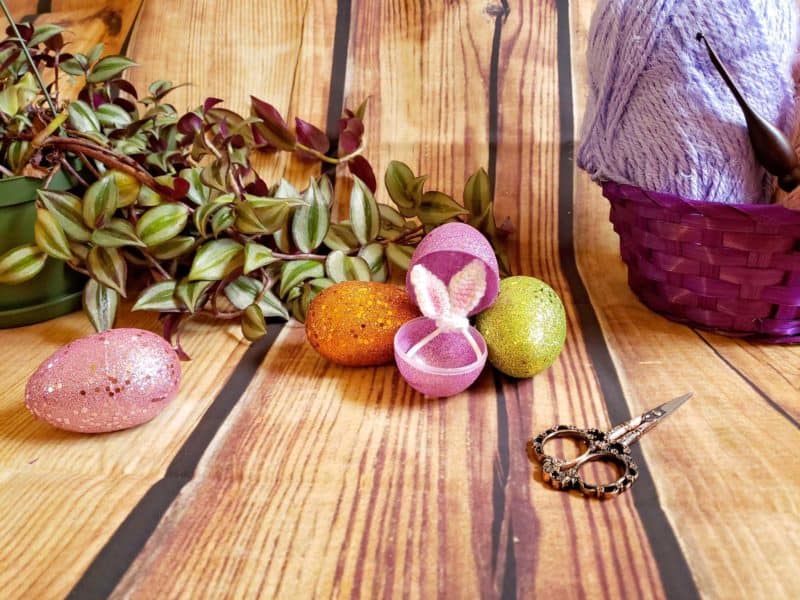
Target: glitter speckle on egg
x=525 y=328
x=353 y=323
x=105 y=382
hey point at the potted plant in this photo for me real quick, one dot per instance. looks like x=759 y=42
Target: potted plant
x=56 y=289
x=170 y=204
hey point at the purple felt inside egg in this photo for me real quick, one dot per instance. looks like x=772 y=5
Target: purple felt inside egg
x=448 y=249
x=443 y=367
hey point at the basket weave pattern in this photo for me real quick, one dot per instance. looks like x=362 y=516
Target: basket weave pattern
x=734 y=269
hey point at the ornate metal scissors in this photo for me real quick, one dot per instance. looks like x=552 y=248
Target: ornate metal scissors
x=610 y=447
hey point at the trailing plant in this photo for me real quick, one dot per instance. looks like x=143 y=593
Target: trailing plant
x=171 y=205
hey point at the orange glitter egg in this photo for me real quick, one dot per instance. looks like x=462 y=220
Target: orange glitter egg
x=353 y=323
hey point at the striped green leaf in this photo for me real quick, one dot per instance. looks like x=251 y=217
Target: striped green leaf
x=297 y=271
x=257 y=256
x=192 y=294
x=21 y=263
x=108 y=68
x=311 y=221
x=162 y=223
x=216 y=259
x=243 y=291
x=116 y=234
x=159 y=296
x=100 y=202
x=66 y=209
x=365 y=217
x=111 y=115
x=399 y=255
x=177 y=246
x=82 y=117
x=340 y=267
x=49 y=236
x=100 y=303
x=108 y=267
x=375 y=258
x=341 y=237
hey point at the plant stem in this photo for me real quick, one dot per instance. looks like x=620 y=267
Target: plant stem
x=81 y=270
x=50 y=176
x=28 y=57
x=109 y=158
x=329 y=159
x=72 y=172
x=267 y=284
x=89 y=165
x=155 y=263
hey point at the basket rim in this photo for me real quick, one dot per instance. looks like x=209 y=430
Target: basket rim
x=775 y=213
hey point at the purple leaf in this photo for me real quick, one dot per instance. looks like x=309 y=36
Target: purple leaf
x=273 y=128
x=309 y=135
x=190 y=123
x=126 y=105
x=260 y=141
x=257 y=188
x=211 y=103
x=126 y=86
x=360 y=167
x=350 y=132
x=236 y=141
x=25 y=31
x=55 y=43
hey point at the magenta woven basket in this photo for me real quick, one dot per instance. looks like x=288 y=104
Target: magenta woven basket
x=734 y=269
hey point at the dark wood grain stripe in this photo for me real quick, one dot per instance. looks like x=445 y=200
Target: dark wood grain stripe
x=114 y=559
x=501 y=521
x=772 y=403
x=44 y=6
x=341 y=45
x=676 y=577
x=124 y=49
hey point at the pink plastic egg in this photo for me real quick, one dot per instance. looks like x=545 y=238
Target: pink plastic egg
x=108 y=381
x=445 y=366
x=447 y=249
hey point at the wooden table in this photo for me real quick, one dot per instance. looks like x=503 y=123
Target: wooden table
x=276 y=474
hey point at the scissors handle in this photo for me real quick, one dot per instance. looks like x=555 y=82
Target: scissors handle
x=565 y=473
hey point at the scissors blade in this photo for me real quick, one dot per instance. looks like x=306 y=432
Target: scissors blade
x=670 y=407
x=630 y=431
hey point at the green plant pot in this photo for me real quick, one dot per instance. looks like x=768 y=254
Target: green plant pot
x=57 y=289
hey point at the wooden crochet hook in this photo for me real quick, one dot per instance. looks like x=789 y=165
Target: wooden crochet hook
x=772 y=149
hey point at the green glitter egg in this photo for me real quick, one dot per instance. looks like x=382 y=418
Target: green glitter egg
x=525 y=328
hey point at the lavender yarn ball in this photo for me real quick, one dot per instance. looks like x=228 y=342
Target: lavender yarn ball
x=659 y=116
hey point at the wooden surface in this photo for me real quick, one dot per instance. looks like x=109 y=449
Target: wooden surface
x=323 y=481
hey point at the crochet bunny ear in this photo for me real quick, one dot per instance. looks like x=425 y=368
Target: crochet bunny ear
x=467 y=287
x=431 y=292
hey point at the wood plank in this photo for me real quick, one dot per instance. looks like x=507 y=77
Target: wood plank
x=20 y=9
x=63 y=494
x=343 y=481
x=232 y=50
x=78 y=514
x=618 y=559
x=725 y=441
x=773 y=370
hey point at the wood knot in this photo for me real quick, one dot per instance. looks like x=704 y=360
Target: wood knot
x=112 y=20
x=497 y=9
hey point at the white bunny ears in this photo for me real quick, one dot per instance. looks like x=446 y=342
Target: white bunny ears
x=449 y=305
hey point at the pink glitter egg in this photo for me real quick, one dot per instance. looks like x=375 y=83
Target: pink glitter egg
x=445 y=366
x=448 y=249
x=108 y=381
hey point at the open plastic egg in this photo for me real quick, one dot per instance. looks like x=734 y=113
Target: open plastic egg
x=453 y=274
